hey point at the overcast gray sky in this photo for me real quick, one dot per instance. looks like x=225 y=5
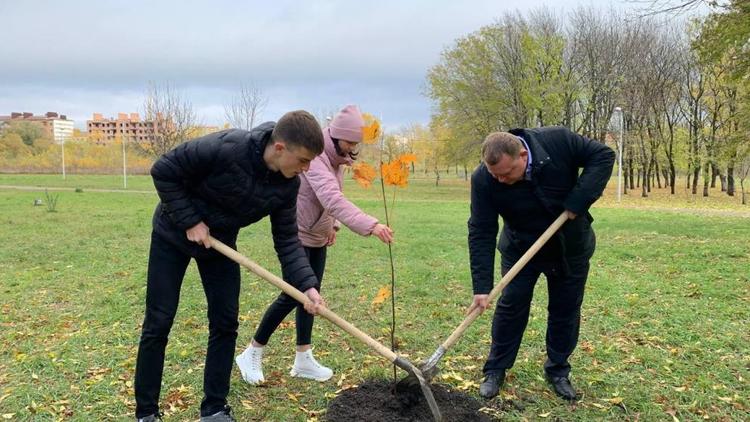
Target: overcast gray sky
x=80 y=57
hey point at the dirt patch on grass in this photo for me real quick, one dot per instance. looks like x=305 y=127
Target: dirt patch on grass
x=374 y=400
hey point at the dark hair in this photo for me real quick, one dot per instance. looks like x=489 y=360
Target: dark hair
x=299 y=129
x=498 y=143
x=337 y=147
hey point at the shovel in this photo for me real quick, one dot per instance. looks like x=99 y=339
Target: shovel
x=414 y=373
x=429 y=368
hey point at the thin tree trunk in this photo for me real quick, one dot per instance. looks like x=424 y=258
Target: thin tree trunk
x=696 y=174
x=657 y=171
x=705 y=179
x=630 y=167
x=714 y=174
x=730 y=179
x=672 y=177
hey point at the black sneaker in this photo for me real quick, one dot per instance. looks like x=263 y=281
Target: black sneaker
x=491 y=385
x=220 y=416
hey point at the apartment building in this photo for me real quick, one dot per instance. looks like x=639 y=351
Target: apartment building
x=125 y=126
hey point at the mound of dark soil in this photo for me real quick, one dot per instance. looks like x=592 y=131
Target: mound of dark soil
x=374 y=400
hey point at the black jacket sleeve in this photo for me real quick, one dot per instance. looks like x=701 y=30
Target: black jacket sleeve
x=597 y=160
x=174 y=171
x=295 y=267
x=483 y=229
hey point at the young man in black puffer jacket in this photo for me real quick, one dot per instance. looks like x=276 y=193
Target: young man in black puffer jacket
x=216 y=185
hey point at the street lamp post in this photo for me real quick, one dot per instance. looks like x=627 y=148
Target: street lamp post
x=124 y=165
x=62 y=149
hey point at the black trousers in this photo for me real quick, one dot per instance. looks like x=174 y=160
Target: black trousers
x=284 y=304
x=565 y=290
x=221 y=284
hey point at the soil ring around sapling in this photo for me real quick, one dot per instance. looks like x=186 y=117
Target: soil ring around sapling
x=375 y=400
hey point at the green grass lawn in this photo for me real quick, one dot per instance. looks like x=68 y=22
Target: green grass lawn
x=664 y=333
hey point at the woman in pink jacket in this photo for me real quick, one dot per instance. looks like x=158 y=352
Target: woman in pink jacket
x=321 y=207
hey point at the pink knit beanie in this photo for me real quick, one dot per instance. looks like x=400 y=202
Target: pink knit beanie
x=347 y=124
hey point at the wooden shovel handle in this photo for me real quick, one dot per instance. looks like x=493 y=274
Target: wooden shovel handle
x=300 y=297
x=525 y=258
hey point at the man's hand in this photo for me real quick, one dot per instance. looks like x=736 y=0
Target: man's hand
x=316 y=301
x=383 y=232
x=571 y=215
x=480 y=301
x=331 y=238
x=199 y=234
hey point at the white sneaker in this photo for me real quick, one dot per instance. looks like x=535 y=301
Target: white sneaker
x=305 y=366
x=250 y=365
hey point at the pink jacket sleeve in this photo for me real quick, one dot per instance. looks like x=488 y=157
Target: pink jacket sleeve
x=325 y=184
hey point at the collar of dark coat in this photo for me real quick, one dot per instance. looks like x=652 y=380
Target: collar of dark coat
x=539 y=154
x=537 y=150
x=259 y=138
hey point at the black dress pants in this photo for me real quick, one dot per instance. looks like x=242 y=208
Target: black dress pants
x=221 y=283
x=565 y=287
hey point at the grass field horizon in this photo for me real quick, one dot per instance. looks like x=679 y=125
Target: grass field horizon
x=664 y=333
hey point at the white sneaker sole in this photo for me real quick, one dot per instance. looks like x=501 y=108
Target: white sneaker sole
x=307 y=375
x=240 y=359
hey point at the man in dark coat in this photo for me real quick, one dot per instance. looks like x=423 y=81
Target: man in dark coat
x=218 y=184
x=529 y=177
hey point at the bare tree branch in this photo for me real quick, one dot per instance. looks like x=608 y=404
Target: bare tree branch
x=658 y=7
x=172 y=116
x=246 y=107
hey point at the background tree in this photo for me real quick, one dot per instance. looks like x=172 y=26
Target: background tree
x=171 y=114
x=245 y=108
x=12 y=146
x=743 y=169
x=599 y=43
x=28 y=131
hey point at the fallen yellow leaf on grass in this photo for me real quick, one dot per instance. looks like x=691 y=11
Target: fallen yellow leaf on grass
x=451 y=375
x=383 y=294
x=8 y=415
x=468 y=385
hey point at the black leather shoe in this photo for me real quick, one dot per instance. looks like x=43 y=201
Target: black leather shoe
x=491 y=385
x=563 y=387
